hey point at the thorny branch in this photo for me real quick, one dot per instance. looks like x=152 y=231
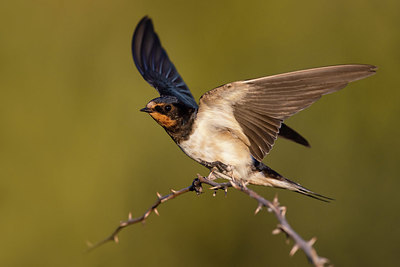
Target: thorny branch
x=273 y=207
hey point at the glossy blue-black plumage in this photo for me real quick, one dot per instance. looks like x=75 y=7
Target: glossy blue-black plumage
x=154 y=65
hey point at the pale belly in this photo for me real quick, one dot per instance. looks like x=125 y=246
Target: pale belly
x=219 y=146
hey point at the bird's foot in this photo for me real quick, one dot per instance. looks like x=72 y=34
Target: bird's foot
x=222 y=168
x=196 y=186
x=217 y=166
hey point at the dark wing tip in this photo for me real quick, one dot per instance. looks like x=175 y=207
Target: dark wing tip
x=144 y=26
x=373 y=68
x=153 y=63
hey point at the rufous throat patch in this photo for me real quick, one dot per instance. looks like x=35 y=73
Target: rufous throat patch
x=163 y=120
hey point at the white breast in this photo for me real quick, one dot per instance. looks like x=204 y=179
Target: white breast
x=217 y=136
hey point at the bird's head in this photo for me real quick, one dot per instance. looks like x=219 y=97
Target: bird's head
x=166 y=111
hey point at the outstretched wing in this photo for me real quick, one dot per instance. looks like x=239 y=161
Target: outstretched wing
x=153 y=63
x=259 y=106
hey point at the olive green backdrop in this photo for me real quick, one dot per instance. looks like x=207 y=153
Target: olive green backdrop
x=76 y=155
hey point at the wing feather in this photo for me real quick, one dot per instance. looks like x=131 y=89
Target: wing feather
x=154 y=65
x=260 y=105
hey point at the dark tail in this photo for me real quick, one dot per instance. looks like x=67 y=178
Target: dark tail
x=290 y=134
x=274 y=179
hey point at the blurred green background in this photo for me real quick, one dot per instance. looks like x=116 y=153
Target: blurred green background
x=76 y=155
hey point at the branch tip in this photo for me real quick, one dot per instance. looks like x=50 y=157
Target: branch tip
x=116 y=240
x=159 y=195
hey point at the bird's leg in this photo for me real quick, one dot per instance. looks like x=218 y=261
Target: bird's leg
x=218 y=170
x=222 y=167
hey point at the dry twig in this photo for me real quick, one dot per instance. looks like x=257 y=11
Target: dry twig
x=284 y=226
x=273 y=207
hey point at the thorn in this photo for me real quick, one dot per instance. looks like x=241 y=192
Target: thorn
x=323 y=261
x=283 y=210
x=159 y=196
x=275 y=201
x=295 y=248
x=215 y=187
x=226 y=191
x=116 y=240
x=156 y=212
x=173 y=191
x=130 y=216
x=276 y=231
x=312 y=241
x=259 y=207
x=215 y=193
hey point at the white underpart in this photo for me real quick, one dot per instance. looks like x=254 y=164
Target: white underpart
x=217 y=136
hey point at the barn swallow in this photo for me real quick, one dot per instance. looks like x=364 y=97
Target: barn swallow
x=234 y=126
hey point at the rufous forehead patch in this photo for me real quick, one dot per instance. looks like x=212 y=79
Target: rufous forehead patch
x=151 y=105
x=163 y=120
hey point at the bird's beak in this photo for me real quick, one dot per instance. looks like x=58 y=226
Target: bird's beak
x=146 y=109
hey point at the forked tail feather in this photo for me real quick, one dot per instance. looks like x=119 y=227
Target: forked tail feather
x=274 y=179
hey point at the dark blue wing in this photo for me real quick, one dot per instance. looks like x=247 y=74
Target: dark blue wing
x=153 y=63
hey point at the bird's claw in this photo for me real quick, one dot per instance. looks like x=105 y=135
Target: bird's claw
x=196 y=186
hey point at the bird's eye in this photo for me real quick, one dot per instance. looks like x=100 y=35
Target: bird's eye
x=158 y=109
x=167 y=108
